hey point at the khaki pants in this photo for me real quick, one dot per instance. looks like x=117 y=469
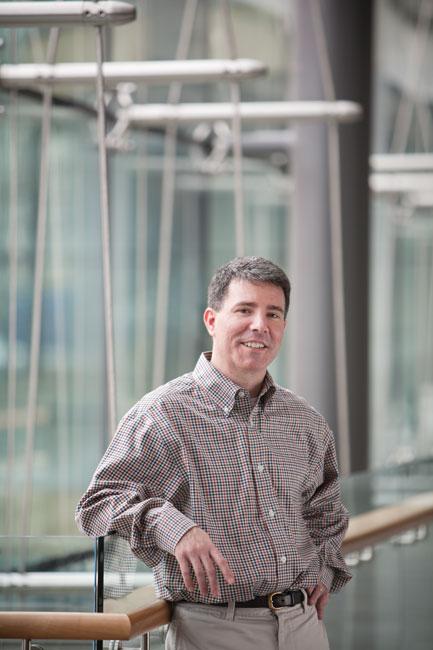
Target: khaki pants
x=208 y=627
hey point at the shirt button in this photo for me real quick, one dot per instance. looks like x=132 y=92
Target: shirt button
x=283 y=559
x=271 y=513
x=260 y=467
x=241 y=393
x=226 y=410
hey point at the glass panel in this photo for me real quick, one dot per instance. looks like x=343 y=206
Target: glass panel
x=47 y=573
x=128 y=585
x=387 y=604
x=51 y=573
x=365 y=491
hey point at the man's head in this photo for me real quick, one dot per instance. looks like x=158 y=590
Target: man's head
x=253 y=269
x=246 y=318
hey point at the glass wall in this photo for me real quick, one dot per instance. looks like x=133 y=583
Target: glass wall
x=43 y=473
x=71 y=429
x=401 y=342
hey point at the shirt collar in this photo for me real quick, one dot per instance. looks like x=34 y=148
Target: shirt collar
x=222 y=389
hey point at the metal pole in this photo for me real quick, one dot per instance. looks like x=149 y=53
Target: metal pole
x=99 y=581
x=105 y=233
x=401 y=162
x=115 y=72
x=28 y=14
x=250 y=112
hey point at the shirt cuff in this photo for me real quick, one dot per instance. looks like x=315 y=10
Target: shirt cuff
x=327 y=577
x=169 y=526
x=334 y=578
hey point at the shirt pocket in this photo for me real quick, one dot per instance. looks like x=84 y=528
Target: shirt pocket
x=288 y=464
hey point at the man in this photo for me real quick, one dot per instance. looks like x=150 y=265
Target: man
x=227 y=484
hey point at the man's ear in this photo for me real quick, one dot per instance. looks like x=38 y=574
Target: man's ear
x=209 y=320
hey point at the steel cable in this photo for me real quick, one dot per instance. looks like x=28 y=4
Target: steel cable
x=37 y=292
x=167 y=205
x=235 y=96
x=13 y=289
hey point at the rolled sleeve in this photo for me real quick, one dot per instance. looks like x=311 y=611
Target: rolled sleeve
x=169 y=526
x=138 y=489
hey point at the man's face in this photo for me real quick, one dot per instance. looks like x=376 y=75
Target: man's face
x=248 y=329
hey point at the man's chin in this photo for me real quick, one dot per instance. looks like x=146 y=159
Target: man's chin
x=251 y=365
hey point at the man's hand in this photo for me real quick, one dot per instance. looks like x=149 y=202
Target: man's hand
x=319 y=596
x=196 y=550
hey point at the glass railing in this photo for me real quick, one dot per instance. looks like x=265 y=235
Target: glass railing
x=386 y=605
x=364 y=614
x=50 y=573
x=366 y=491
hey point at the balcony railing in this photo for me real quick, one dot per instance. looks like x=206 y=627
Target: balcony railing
x=365 y=530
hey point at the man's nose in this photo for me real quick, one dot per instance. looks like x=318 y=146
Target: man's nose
x=259 y=323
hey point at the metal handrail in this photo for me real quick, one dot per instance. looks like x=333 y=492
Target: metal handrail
x=364 y=530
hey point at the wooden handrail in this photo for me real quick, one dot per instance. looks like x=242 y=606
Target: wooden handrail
x=364 y=530
x=83 y=626
x=382 y=523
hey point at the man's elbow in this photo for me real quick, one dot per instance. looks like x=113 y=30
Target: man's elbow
x=91 y=520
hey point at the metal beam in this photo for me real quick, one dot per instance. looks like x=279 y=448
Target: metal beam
x=150 y=72
x=400 y=182
x=28 y=14
x=401 y=162
x=280 y=112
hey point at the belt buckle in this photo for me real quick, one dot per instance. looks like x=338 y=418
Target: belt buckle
x=271 y=602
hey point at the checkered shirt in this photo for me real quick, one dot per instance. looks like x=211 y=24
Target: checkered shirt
x=261 y=479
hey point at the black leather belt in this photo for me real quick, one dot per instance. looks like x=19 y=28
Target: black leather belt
x=275 y=600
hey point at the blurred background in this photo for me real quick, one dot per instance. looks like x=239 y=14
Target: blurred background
x=346 y=209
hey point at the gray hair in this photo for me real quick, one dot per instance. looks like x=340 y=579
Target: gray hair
x=252 y=269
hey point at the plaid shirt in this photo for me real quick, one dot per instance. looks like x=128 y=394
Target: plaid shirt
x=261 y=480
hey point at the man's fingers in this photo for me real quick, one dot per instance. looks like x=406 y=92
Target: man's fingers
x=200 y=575
x=318 y=596
x=223 y=565
x=313 y=595
x=321 y=604
x=185 y=569
x=209 y=567
x=195 y=549
x=316 y=593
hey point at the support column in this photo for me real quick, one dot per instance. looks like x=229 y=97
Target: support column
x=348 y=28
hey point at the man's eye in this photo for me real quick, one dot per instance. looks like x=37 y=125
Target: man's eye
x=275 y=316
x=243 y=310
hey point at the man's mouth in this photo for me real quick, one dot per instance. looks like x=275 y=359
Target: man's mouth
x=255 y=345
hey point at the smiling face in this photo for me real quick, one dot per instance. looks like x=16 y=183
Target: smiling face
x=247 y=331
